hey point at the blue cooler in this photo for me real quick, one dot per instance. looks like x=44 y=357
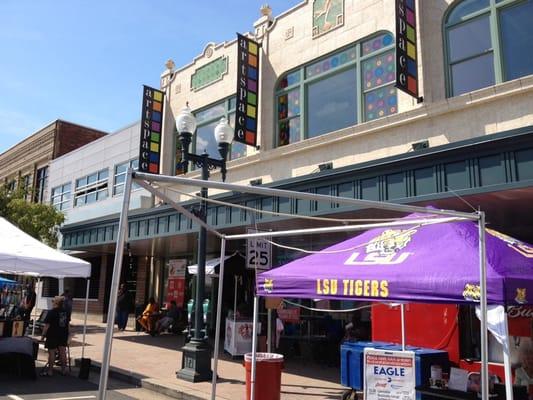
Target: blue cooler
x=352 y=361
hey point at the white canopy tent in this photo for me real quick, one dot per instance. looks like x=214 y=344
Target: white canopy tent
x=150 y=183
x=21 y=254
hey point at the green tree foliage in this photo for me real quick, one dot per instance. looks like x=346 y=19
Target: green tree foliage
x=41 y=221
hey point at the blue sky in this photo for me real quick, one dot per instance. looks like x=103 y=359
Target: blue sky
x=85 y=60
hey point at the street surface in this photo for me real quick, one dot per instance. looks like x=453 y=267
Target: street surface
x=70 y=387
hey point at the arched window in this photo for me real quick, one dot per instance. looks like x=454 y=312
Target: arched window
x=487 y=42
x=342 y=89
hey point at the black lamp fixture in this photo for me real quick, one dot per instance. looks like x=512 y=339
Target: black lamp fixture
x=424 y=144
x=325 y=166
x=196 y=353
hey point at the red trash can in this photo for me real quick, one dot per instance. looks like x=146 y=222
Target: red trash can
x=267 y=375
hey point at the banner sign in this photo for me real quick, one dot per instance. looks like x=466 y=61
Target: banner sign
x=289 y=314
x=389 y=375
x=151 y=123
x=258 y=252
x=406 y=57
x=176 y=282
x=247 y=91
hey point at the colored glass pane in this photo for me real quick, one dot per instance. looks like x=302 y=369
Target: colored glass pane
x=331 y=63
x=238 y=150
x=380 y=103
x=289 y=79
x=377 y=43
x=289 y=104
x=289 y=131
x=379 y=70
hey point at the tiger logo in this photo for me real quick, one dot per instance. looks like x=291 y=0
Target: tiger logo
x=472 y=292
x=515 y=244
x=268 y=285
x=390 y=241
x=521 y=296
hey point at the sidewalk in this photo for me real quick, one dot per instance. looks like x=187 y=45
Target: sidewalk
x=153 y=361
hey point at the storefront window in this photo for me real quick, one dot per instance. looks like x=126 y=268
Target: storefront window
x=338 y=91
x=487 y=43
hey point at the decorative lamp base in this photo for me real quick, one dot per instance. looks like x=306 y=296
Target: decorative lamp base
x=196 y=364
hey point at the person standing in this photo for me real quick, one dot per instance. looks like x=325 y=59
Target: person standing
x=29 y=301
x=123 y=307
x=56 y=334
x=67 y=303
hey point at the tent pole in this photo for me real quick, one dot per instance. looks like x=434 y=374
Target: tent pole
x=507 y=359
x=219 y=317
x=254 y=350
x=117 y=267
x=34 y=307
x=236 y=280
x=85 y=318
x=269 y=332
x=402 y=312
x=483 y=308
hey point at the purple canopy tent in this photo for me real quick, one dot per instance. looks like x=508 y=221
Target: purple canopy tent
x=424 y=263
x=430 y=263
x=154 y=183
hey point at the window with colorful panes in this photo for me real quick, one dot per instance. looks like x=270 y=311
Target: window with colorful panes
x=204 y=138
x=350 y=86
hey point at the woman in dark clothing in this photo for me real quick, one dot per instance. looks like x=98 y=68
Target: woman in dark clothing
x=123 y=307
x=56 y=333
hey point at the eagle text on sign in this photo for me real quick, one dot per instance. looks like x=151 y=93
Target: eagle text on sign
x=258 y=252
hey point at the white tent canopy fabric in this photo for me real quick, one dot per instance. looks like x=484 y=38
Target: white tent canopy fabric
x=21 y=254
x=211 y=265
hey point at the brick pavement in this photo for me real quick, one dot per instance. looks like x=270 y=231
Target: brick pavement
x=155 y=360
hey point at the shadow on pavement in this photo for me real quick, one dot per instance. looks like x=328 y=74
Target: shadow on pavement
x=165 y=341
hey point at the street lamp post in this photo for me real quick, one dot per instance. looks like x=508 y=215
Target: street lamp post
x=196 y=366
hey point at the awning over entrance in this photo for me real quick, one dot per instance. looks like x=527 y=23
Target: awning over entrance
x=211 y=266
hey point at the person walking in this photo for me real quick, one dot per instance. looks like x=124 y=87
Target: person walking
x=55 y=333
x=123 y=307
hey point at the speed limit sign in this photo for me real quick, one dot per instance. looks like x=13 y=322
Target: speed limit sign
x=258 y=252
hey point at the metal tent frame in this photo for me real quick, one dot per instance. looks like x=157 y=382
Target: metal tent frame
x=145 y=180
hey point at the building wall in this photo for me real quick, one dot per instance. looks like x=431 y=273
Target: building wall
x=70 y=137
x=36 y=151
x=105 y=152
x=288 y=43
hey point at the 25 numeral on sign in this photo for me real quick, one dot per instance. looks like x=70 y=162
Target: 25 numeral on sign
x=259 y=258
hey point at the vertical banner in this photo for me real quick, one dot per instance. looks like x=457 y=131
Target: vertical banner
x=406 y=55
x=151 y=124
x=176 y=282
x=247 y=91
x=389 y=374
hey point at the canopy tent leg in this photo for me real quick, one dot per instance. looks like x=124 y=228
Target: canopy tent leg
x=254 y=348
x=117 y=267
x=269 y=333
x=219 y=317
x=483 y=308
x=507 y=360
x=34 y=308
x=85 y=319
x=402 y=311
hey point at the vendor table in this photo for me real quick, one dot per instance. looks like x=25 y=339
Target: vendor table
x=430 y=393
x=17 y=354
